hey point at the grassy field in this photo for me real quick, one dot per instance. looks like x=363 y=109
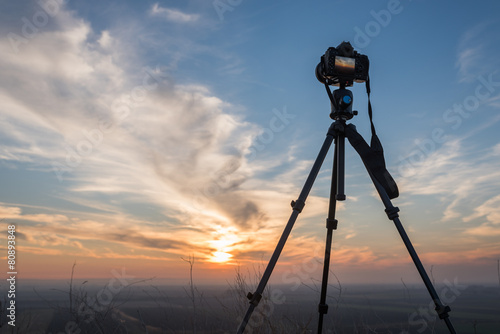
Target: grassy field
x=150 y=308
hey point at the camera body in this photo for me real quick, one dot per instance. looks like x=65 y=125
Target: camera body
x=341 y=66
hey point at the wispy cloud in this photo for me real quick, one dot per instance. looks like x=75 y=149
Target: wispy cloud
x=120 y=135
x=173 y=15
x=453 y=173
x=474 y=57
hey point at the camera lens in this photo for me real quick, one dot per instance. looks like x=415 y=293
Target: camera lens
x=319 y=73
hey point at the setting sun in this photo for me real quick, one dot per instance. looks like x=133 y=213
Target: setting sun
x=224 y=240
x=220 y=257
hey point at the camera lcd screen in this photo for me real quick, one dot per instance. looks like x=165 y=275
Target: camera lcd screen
x=345 y=65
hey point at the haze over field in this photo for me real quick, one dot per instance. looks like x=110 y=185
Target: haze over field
x=166 y=308
x=138 y=133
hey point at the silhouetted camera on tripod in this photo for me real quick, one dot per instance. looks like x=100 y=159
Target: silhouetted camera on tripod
x=342 y=66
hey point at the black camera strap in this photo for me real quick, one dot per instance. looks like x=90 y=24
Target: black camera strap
x=328 y=91
x=370 y=113
x=373 y=159
x=373 y=155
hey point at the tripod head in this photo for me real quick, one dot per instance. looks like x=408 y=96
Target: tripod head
x=341 y=102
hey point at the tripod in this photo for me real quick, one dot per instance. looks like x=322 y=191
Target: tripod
x=341 y=101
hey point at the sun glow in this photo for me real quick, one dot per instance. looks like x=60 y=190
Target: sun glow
x=224 y=240
x=220 y=257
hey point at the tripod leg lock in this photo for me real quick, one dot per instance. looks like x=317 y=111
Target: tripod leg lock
x=331 y=223
x=442 y=311
x=298 y=205
x=392 y=212
x=323 y=308
x=254 y=298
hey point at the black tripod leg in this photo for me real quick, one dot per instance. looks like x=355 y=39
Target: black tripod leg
x=392 y=213
x=339 y=166
x=331 y=224
x=297 y=205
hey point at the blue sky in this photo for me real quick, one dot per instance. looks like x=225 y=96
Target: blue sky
x=135 y=133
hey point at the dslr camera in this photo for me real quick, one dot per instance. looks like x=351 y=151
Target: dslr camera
x=341 y=66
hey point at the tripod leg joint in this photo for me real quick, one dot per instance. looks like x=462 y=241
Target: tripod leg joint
x=331 y=223
x=323 y=308
x=338 y=127
x=254 y=298
x=332 y=131
x=442 y=311
x=298 y=205
x=392 y=212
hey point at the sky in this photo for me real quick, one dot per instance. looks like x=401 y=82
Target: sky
x=136 y=135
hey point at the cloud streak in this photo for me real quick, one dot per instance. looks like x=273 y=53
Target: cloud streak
x=473 y=58
x=117 y=135
x=453 y=173
x=173 y=15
